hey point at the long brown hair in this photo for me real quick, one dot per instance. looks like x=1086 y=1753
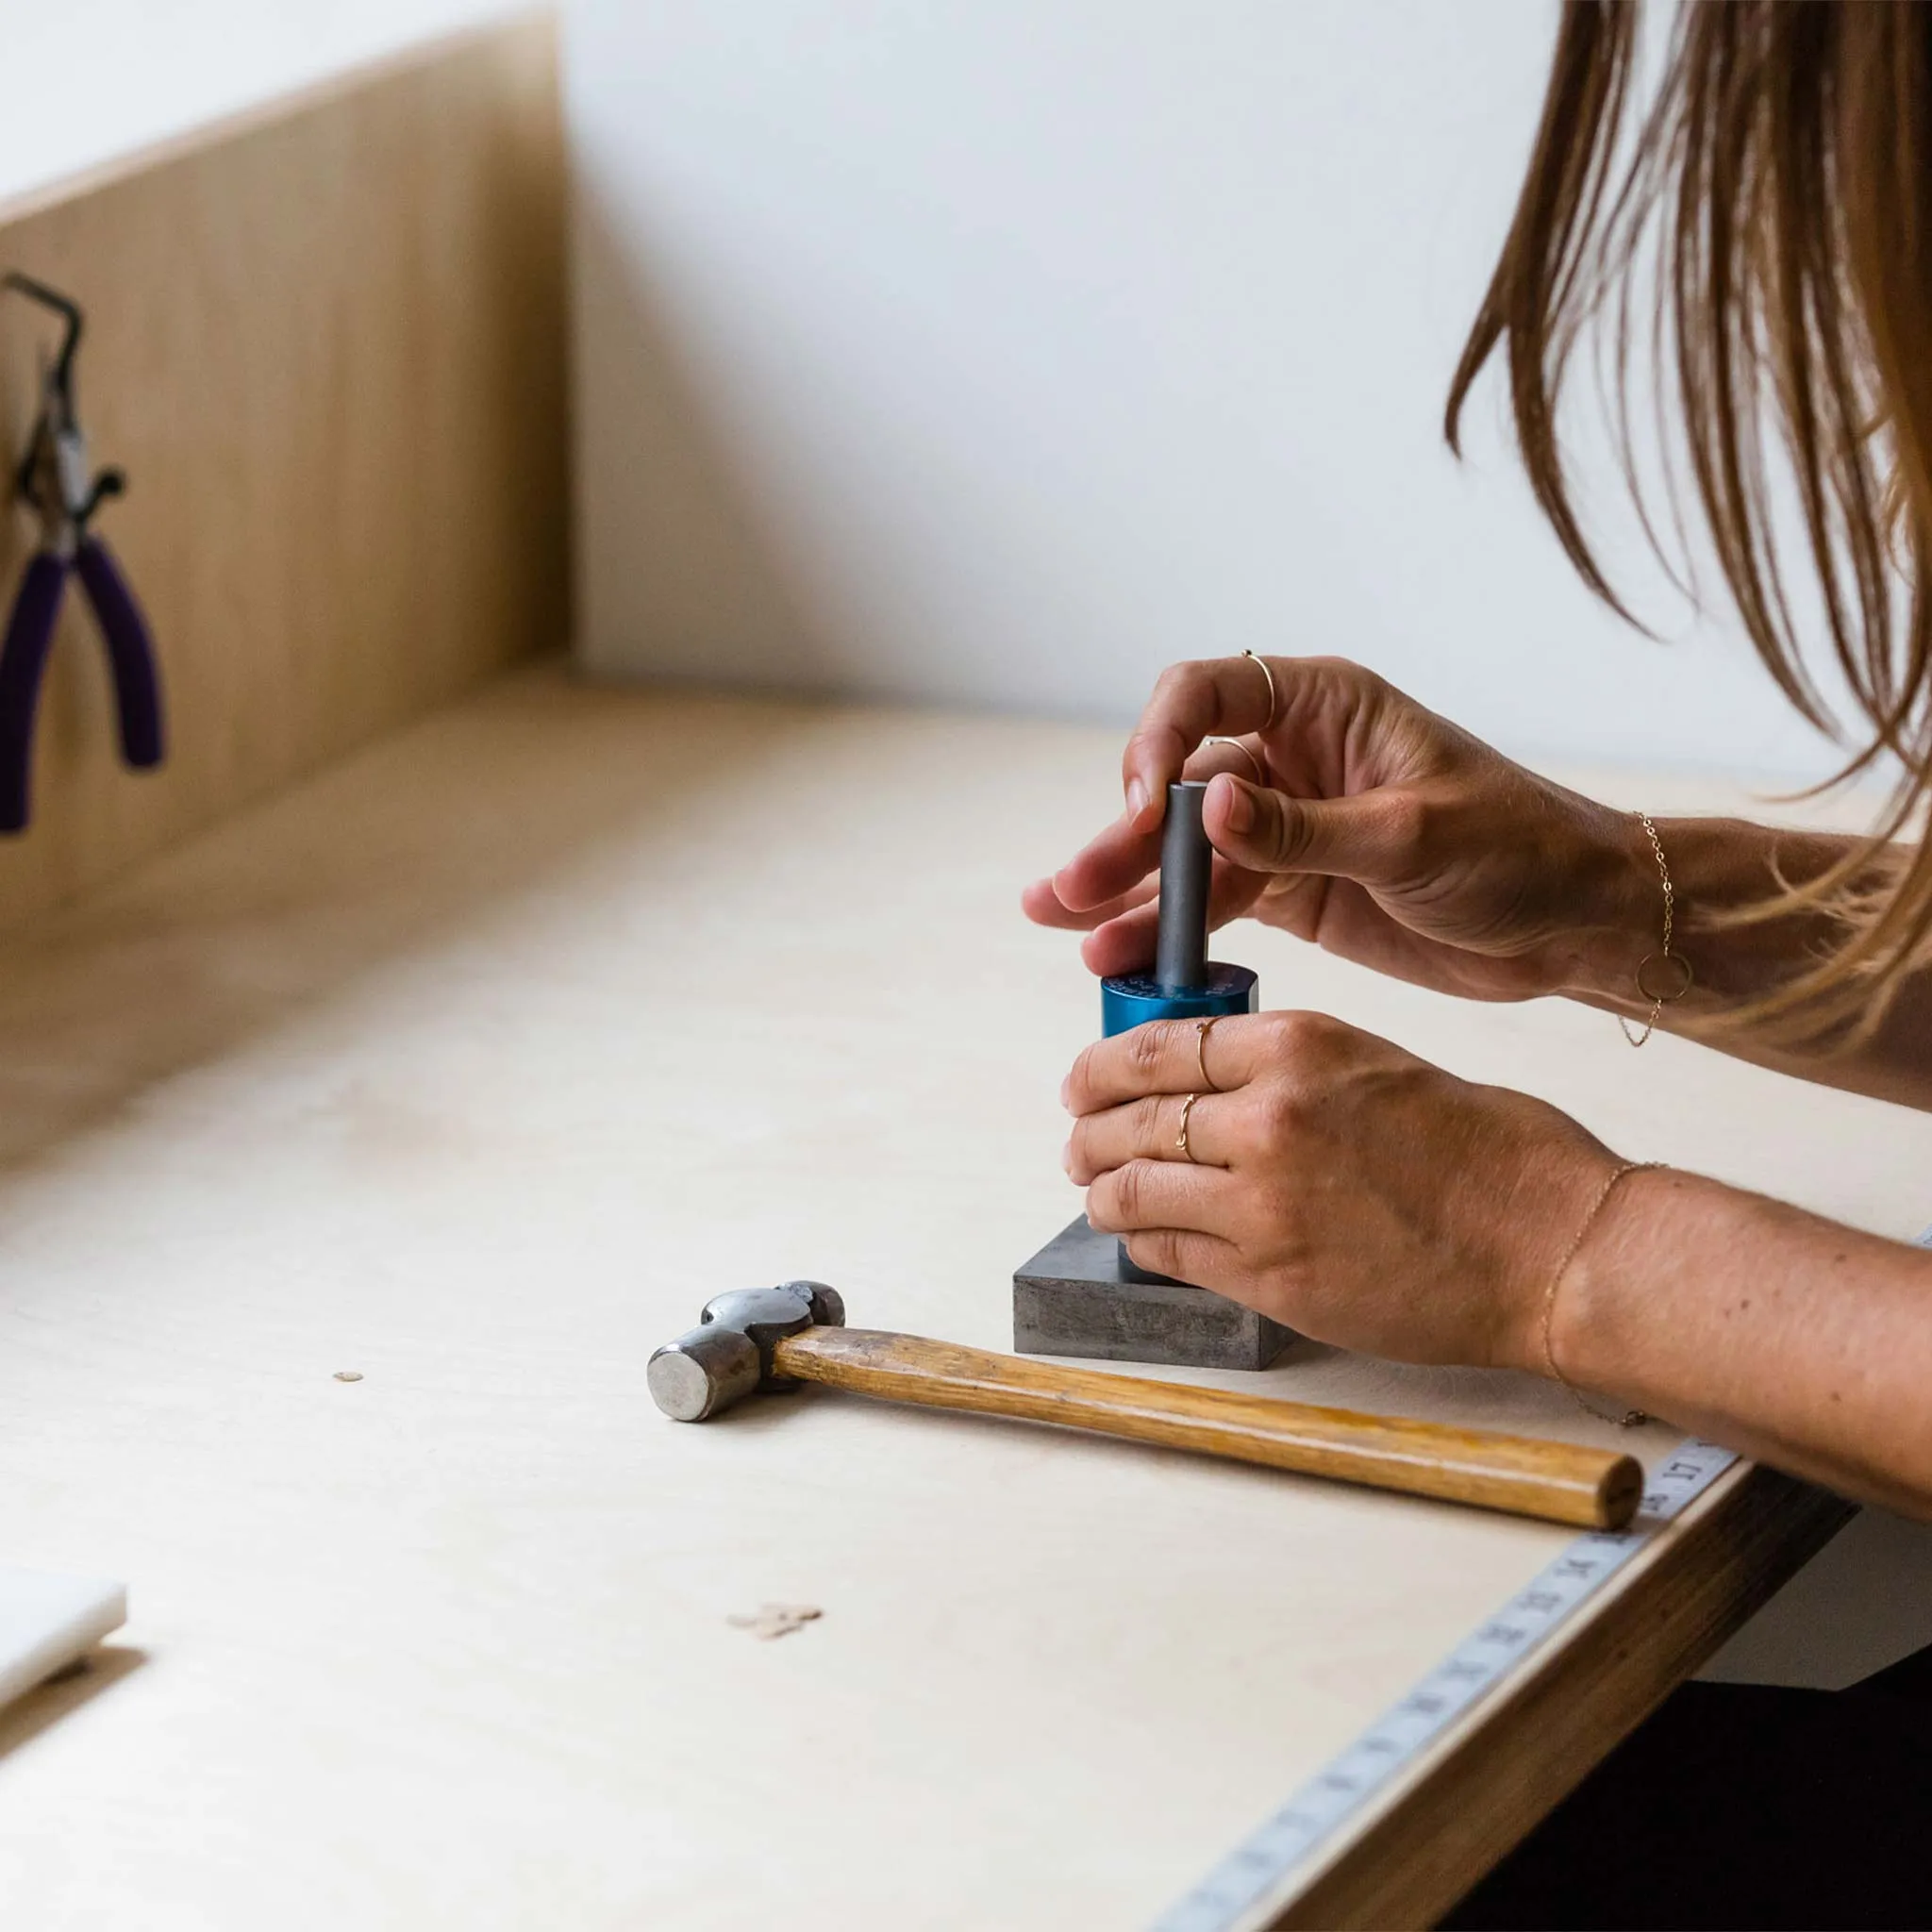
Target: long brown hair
x=1774 y=195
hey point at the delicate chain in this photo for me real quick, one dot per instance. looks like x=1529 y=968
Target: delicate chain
x=1666 y=953
x=1631 y=1418
x=1663 y=872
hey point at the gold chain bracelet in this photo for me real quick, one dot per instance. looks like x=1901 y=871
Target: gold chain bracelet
x=1665 y=959
x=1631 y=1418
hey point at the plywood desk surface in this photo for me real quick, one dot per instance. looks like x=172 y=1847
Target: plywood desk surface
x=475 y=1067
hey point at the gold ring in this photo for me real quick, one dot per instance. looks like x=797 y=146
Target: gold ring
x=1181 y=1139
x=1260 y=664
x=1201 y=1027
x=1261 y=770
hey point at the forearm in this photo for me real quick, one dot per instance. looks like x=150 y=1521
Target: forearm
x=1800 y=1341
x=1722 y=866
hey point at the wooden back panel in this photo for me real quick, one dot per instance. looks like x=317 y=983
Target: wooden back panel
x=327 y=346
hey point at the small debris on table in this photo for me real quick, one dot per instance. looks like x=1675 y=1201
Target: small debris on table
x=776 y=1620
x=348 y=1374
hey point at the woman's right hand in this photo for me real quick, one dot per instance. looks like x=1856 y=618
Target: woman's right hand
x=1384 y=833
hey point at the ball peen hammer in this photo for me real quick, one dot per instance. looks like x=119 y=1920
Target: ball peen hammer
x=776 y=1337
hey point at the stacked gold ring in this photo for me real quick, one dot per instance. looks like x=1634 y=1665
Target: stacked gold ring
x=1181 y=1139
x=1260 y=768
x=1202 y=1028
x=1260 y=664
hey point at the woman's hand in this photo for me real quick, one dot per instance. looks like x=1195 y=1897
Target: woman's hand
x=1344 y=1187
x=1384 y=833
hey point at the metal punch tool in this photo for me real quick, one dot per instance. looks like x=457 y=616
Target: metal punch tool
x=56 y=480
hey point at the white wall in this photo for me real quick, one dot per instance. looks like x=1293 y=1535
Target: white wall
x=996 y=352
x=89 y=81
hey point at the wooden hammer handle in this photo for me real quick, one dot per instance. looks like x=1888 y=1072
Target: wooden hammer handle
x=1594 y=1488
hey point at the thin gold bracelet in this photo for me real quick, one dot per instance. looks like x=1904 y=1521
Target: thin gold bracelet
x=1664 y=957
x=1631 y=1418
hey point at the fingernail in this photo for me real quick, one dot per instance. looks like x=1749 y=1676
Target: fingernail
x=1067 y=1094
x=1236 y=807
x=1137 y=798
x=1067 y=1159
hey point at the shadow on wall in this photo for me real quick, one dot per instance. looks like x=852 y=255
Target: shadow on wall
x=998 y=357
x=671 y=499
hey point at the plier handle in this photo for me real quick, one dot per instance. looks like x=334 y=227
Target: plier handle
x=56 y=481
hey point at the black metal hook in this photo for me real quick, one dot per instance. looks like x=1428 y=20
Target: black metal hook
x=58 y=417
x=62 y=306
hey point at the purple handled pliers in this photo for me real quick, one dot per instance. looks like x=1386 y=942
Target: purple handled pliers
x=55 y=480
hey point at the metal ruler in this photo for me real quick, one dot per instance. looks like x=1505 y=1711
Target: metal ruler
x=1265 y=1870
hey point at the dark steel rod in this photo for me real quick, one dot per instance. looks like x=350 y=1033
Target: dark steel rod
x=1180 y=960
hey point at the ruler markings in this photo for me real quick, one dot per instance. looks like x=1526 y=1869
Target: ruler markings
x=1258 y=1869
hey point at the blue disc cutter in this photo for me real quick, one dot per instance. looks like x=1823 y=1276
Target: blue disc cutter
x=1081 y=1295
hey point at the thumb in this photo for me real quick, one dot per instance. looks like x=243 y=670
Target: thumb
x=1371 y=838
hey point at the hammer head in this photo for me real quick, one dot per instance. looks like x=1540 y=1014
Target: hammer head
x=690 y=1379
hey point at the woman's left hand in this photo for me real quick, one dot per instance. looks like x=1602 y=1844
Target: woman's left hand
x=1337 y=1183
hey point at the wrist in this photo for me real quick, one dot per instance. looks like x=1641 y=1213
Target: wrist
x=1583 y=1342
x=1556 y=1200
x=1620 y=904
